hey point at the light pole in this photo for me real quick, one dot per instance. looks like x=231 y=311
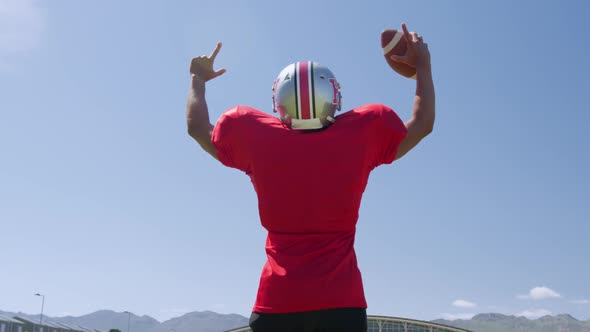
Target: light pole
x=128 y=319
x=42 y=305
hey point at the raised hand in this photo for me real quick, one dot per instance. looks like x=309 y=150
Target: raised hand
x=202 y=66
x=417 y=54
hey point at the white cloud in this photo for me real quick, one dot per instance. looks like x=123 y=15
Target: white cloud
x=21 y=26
x=582 y=301
x=457 y=316
x=464 y=304
x=540 y=293
x=534 y=313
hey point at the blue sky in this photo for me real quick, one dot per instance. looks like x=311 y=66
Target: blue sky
x=106 y=203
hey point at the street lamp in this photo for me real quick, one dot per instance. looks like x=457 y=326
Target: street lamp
x=128 y=319
x=42 y=305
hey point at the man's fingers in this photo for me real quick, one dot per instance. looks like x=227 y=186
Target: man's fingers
x=397 y=58
x=405 y=29
x=407 y=34
x=215 y=51
x=220 y=72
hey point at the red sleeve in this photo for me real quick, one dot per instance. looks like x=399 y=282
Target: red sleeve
x=389 y=132
x=230 y=140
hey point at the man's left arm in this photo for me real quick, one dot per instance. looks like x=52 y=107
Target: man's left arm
x=422 y=122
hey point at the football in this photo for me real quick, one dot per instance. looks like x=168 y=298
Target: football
x=393 y=42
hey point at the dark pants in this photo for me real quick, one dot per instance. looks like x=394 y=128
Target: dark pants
x=329 y=320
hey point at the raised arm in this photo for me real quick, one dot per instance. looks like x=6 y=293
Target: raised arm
x=422 y=122
x=197 y=113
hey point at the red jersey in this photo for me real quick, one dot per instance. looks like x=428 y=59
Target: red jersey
x=309 y=186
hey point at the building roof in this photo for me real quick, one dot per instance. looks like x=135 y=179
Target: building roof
x=61 y=326
x=26 y=320
x=68 y=327
x=46 y=323
x=84 y=329
x=399 y=320
x=9 y=320
x=53 y=324
x=416 y=322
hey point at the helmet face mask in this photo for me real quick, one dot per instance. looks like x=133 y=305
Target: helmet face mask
x=307 y=96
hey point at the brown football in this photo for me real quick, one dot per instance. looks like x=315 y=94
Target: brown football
x=394 y=42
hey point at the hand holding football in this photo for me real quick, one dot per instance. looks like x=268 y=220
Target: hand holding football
x=404 y=51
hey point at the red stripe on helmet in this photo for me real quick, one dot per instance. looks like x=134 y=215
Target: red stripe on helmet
x=304 y=89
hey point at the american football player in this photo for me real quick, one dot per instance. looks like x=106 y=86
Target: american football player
x=309 y=166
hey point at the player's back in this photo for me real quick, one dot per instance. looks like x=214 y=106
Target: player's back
x=309 y=186
x=309 y=181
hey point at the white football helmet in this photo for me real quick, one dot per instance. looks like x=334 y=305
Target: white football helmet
x=306 y=95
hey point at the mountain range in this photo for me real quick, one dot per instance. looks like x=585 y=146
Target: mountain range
x=104 y=320
x=209 y=321
x=504 y=323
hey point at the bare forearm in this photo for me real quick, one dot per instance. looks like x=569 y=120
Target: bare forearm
x=197 y=113
x=424 y=101
x=197 y=116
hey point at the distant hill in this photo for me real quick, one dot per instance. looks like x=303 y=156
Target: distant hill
x=104 y=320
x=206 y=321
x=503 y=323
